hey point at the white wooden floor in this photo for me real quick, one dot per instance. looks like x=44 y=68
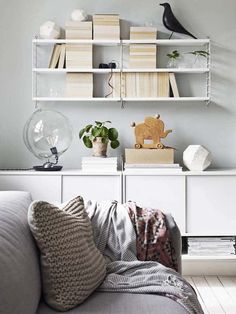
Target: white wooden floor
x=217 y=294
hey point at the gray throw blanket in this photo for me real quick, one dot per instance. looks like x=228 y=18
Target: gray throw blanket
x=115 y=237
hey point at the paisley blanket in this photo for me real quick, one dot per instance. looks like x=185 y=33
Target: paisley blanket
x=153 y=238
x=115 y=237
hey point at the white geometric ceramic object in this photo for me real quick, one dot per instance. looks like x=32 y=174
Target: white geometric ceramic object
x=79 y=15
x=49 y=30
x=197 y=158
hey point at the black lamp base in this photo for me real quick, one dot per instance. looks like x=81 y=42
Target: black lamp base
x=52 y=168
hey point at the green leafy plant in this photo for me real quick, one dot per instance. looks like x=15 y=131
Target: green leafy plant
x=202 y=53
x=91 y=131
x=175 y=54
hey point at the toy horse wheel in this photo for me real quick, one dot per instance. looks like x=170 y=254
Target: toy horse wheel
x=138 y=146
x=159 y=145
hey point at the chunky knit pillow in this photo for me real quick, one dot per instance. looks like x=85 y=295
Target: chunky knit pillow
x=72 y=267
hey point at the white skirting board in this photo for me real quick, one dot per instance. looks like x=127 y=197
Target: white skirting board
x=209 y=267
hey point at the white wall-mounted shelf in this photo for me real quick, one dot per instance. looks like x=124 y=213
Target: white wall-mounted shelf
x=82 y=99
x=94 y=70
x=171 y=99
x=74 y=70
x=41 y=92
x=160 y=42
x=102 y=99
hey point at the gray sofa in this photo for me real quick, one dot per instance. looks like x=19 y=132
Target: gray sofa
x=20 y=286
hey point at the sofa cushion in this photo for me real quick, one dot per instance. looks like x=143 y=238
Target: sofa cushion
x=122 y=303
x=20 y=288
x=72 y=267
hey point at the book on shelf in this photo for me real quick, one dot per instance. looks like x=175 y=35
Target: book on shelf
x=79 y=85
x=100 y=160
x=157 y=166
x=173 y=85
x=55 y=56
x=79 y=56
x=153 y=170
x=106 y=26
x=99 y=164
x=79 y=30
x=140 y=32
x=61 y=63
x=211 y=246
x=145 y=84
x=142 y=56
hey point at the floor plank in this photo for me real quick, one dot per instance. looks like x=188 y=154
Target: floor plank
x=222 y=296
x=210 y=300
x=230 y=287
x=190 y=280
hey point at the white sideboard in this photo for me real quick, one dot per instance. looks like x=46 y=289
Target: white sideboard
x=202 y=203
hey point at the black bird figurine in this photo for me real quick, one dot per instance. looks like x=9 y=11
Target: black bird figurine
x=171 y=22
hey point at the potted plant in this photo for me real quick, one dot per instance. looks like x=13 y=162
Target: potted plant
x=200 y=55
x=174 y=57
x=98 y=136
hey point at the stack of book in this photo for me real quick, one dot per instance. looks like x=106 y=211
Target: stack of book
x=176 y=168
x=79 y=56
x=140 y=32
x=79 y=85
x=211 y=246
x=79 y=30
x=106 y=26
x=98 y=164
x=161 y=160
x=142 y=56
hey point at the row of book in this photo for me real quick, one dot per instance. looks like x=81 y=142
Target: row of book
x=200 y=246
x=145 y=84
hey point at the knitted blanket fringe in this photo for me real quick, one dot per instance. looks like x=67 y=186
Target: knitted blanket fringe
x=115 y=237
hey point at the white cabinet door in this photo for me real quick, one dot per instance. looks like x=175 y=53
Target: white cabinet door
x=41 y=187
x=92 y=187
x=163 y=192
x=211 y=204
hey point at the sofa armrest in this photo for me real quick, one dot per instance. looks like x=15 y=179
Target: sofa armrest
x=20 y=287
x=176 y=239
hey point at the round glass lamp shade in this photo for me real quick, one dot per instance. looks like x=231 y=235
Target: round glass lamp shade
x=48 y=134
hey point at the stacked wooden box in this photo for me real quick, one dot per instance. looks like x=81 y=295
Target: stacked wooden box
x=106 y=26
x=79 y=56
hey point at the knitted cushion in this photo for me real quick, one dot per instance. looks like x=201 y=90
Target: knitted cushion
x=72 y=267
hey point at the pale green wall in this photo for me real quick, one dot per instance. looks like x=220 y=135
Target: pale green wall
x=192 y=123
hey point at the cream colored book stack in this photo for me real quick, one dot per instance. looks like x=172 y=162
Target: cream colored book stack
x=106 y=26
x=79 y=56
x=79 y=85
x=79 y=30
x=98 y=164
x=142 y=56
x=146 y=33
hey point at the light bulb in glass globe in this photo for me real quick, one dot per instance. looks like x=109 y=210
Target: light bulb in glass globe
x=47 y=135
